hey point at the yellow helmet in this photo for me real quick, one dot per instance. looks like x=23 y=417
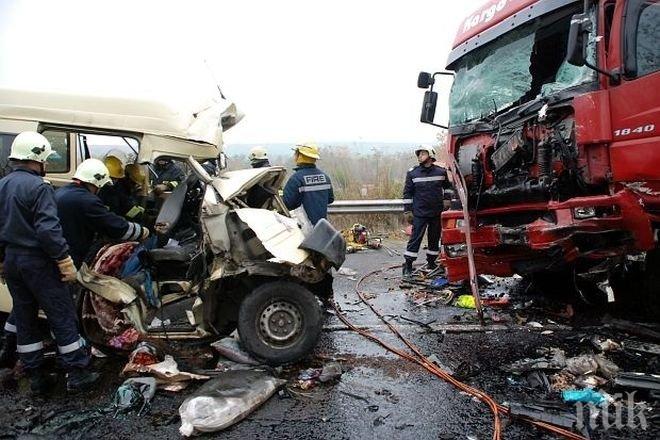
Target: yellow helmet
x=308 y=150
x=116 y=161
x=135 y=173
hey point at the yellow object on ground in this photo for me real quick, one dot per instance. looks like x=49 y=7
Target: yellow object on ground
x=466 y=302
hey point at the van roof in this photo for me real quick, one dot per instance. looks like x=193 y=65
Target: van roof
x=202 y=124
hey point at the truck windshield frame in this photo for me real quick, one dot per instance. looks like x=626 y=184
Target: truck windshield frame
x=522 y=64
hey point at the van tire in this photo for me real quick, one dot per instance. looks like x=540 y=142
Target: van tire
x=279 y=322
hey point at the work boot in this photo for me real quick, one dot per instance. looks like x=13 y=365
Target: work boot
x=41 y=382
x=431 y=265
x=8 y=356
x=79 y=379
x=407 y=269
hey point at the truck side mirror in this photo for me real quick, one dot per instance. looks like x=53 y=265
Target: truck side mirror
x=428 y=107
x=576 y=50
x=424 y=80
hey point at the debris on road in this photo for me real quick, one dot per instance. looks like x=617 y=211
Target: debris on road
x=545 y=413
x=167 y=374
x=310 y=377
x=346 y=271
x=586 y=395
x=639 y=381
x=552 y=359
x=225 y=400
x=231 y=349
x=134 y=394
x=465 y=302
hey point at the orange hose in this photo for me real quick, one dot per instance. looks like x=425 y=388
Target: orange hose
x=425 y=363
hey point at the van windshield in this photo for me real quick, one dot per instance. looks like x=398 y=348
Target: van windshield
x=515 y=68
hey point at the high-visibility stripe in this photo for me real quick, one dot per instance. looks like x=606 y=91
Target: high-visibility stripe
x=407 y=201
x=410 y=254
x=11 y=328
x=30 y=348
x=428 y=179
x=69 y=348
x=129 y=231
x=314 y=188
x=428 y=252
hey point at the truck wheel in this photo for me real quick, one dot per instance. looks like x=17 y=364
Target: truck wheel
x=279 y=322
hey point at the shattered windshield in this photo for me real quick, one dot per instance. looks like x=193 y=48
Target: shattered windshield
x=515 y=68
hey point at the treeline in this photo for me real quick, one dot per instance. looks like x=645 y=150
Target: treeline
x=374 y=174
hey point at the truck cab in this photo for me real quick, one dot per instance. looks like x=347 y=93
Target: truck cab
x=553 y=122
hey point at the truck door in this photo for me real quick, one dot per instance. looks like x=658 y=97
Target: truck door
x=635 y=102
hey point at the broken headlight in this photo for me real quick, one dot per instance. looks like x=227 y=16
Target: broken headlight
x=455 y=250
x=583 y=212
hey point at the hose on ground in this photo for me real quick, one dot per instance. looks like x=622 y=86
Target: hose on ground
x=419 y=358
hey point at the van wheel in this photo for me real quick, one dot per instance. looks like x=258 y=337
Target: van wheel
x=279 y=322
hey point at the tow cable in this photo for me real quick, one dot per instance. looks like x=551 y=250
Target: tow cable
x=418 y=358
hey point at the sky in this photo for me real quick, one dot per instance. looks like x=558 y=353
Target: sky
x=333 y=71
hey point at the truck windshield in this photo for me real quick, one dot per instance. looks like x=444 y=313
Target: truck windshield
x=515 y=68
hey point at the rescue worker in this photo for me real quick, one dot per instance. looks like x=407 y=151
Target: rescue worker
x=36 y=266
x=168 y=175
x=423 y=203
x=83 y=215
x=118 y=197
x=308 y=187
x=258 y=157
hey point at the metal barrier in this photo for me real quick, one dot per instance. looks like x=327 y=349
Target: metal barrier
x=366 y=206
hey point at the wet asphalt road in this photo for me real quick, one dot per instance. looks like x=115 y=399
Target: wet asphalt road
x=379 y=396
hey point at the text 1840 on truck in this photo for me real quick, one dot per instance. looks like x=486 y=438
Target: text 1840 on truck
x=554 y=118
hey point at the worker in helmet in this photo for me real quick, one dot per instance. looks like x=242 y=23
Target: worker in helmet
x=168 y=175
x=423 y=203
x=119 y=197
x=37 y=265
x=308 y=187
x=258 y=157
x=84 y=216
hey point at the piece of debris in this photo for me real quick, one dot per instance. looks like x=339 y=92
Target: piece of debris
x=590 y=381
x=534 y=324
x=439 y=283
x=225 y=400
x=641 y=381
x=642 y=347
x=634 y=328
x=166 y=373
x=547 y=332
x=465 y=302
x=134 y=394
x=126 y=340
x=347 y=272
x=605 y=345
x=144 y=354
x=586 y=395
x=538 y=379
x=330 y=371
x=544 y=413
x=553 y=359
x=580 y=365
x=232 y=350
x=562 y=381
x=606 y=367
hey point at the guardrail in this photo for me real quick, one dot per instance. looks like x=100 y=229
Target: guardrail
x=366 y=206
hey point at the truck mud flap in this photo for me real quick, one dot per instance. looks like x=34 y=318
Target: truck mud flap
x=327 y=241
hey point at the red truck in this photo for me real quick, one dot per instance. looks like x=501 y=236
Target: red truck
x=554 y=118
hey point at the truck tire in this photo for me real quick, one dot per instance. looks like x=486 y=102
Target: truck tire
x=279 y=322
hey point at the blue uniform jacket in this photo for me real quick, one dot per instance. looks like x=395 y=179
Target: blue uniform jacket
x=28 y=215
x=311 y=188
x=423 y=192
x=83 y=215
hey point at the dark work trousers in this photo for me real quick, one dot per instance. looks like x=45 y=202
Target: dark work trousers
x=419 y=227
x=34 y=282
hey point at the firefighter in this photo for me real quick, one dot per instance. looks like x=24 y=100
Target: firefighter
x=258 y=157
x=37 y=266
x=308 y=186
x=83 y=215
x=168 y=175
x=423 y=203
x=118 y=197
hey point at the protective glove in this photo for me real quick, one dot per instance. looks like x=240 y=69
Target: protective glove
x=408 y=217
x=67 y=269
x=145 y=234
x=2 y=273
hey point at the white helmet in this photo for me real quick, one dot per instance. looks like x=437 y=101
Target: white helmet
x=258 y=153
x=429 y=149
x=30 y=145
x=94 y=172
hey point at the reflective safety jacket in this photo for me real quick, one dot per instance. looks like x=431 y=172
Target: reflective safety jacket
x=311 y=188
x=28 y=215
x=423 y=192
x=83 y=215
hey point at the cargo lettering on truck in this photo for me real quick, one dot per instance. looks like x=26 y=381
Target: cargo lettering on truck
x=484 y=16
